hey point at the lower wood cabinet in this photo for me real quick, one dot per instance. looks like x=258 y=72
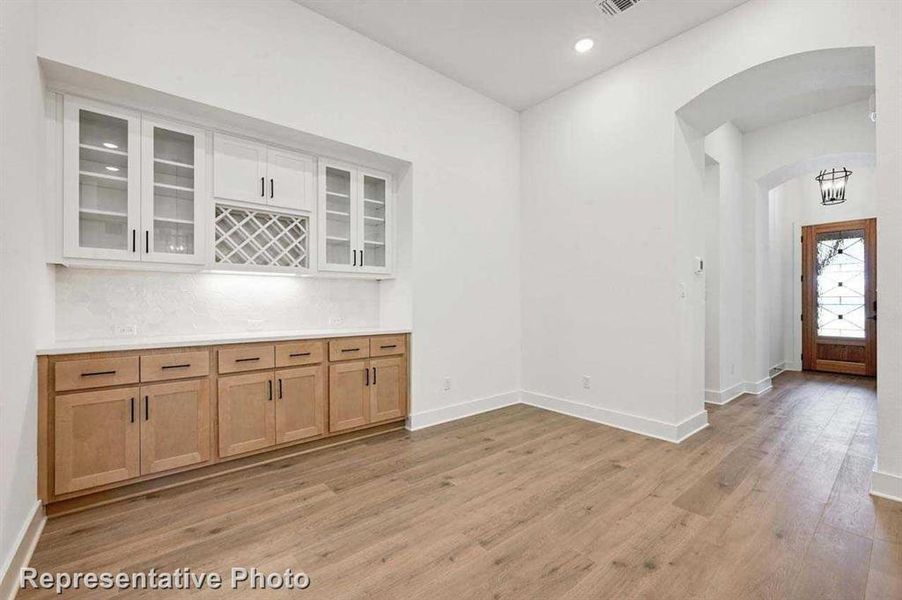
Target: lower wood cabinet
x=107 y=436
x=300 y=403
x=97 y=439
x=367 y=391
x=175 y=425
x=246 y=413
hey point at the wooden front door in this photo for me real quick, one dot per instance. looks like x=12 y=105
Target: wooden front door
x=839 y=297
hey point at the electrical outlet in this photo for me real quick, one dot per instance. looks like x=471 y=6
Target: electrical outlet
x=446 y=384
x=126 y=330
x=587 y=382
x=254 y=324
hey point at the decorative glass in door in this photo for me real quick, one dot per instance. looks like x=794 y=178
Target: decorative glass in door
x=174 y=211
x=339 y=208
x=374 y=221
x=841 y=284
x=103 y=201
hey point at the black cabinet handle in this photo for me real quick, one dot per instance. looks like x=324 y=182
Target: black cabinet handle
x=146 y=408
x=367 y=376
x=374 y=375
x=296 y=354
x=147 y=241
x=361 y=258
x=247 y=359
x=350 y=349
x=272 y=187
x=280 y=388
x=185 y=366
x=355 y=258
x=96 y=373
x=134 y=238
x=270 y=388
x=263 y=187
x=133 y=410
x=389 y=346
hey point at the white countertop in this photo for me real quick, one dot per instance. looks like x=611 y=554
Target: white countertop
x=140 y=343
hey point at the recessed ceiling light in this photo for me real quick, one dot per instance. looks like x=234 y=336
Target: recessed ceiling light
x=584 y=45
x=114 y=169
x=110 y=145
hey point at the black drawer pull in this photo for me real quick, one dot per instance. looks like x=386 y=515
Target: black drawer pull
x=247 y=359
x=350 y=349
x=96 y=373
x=296 y=354
x=147 y=408
x=367 y=376
x=185 y=366
x=374 y=375
x=270 y=389
x=133 y=410
x=388 y=346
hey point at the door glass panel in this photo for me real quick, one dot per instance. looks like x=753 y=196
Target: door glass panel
x=841 y=284
x=173 y=192
x=338 y=216
x=102 y=181
x=374 y=221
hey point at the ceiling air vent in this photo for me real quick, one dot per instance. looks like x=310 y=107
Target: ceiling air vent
x=612 y=8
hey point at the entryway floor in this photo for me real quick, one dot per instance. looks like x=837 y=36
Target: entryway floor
x=771 y=501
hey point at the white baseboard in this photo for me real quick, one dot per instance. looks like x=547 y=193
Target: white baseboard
x=724 y=396
x=21 y=552
x=792 y=366
x=670 y=432
x=758 y=387
x=886 y=485
x=459 y=411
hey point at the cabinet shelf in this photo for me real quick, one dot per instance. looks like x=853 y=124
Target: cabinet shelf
x=371 y=201
x=172 y=163
x=337 y=240
x=373 y=243
x=338 y=213
x=108 y=214
x=338 y=195
x=103 y=150
x=178 y=188
x=177 y=221
x=374 y=219
x=104 y=176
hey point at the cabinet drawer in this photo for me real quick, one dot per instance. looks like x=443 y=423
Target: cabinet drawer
x=348 y=348
x=386 y=345
x=299 y=353
x=246 y=358
x=178 y=365
x=98 y=372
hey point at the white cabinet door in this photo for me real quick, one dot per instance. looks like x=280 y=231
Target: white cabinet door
x=101 y=181
x=290 y=179
x=374 y=227
x=173 y=199
x=239 y=169
x=338 y=217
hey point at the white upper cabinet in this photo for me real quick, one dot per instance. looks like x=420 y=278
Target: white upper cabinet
x=173 y=192
x=247 y=171
x=101 y=181
x=355 y=216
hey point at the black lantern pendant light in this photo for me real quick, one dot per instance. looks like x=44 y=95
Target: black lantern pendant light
x=833 y=185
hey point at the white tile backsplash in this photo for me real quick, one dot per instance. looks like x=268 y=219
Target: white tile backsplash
x=121 y=304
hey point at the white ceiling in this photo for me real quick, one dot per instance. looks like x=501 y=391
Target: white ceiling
x=518 y=53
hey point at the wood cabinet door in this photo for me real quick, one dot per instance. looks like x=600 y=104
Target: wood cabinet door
x=239 y=169
x=175 y=425
x=388 y=389
x=246 y=413
x=97 y=439
x=300 y=403
x=290 y=179
x=349 y=398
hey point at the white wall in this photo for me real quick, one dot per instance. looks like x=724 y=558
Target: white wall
x=724 y=377
x=282 y=63
x=99 y=304
x=793 y=205
x=26 y=294
x=600 y=197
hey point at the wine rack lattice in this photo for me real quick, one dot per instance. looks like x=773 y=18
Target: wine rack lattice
x=253 y=237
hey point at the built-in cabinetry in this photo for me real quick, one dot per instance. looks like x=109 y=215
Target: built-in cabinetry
x=112 y=419
x=137 y=188
x=133 y=188
x=248 y=171
x=356 y=207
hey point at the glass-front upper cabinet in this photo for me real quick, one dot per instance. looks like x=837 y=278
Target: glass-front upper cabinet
x=101 y=181
x=172 y=194
x=355 y=219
